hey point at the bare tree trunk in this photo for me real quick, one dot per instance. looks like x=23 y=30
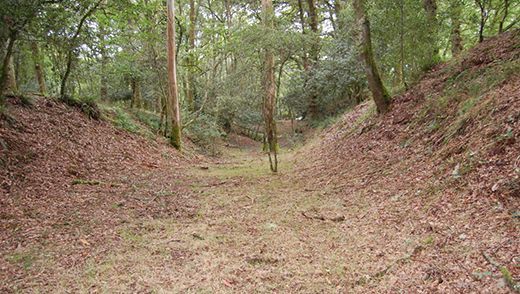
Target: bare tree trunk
x=456 y=38
x=38 y=68
x=302 y=21
x=401 y=73
x=103 y=87
x=173 y=95
x=190 y=82
x=314 y=55
x=270 y=91
x=379 y=92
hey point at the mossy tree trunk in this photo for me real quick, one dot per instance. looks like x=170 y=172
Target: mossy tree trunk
x=38 y=68
x=4 y=77
x=456 y=37
x=269 y=86
x=379 y=92
x=137 y=101
x=11 y=87
x=173 y=94
x=430 y=7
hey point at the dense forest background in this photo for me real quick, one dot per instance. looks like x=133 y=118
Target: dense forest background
x=115 y=51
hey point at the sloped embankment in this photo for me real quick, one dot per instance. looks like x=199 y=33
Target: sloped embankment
x=431 y=191
x=67 y=182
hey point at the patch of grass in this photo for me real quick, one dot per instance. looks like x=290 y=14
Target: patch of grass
x=139 y=122
x=130 y=236
x=123 y=121
x=508 y=277
x=428 y=241
x=325 y=122
x=85 y=182
x=25 y=259
x=149 y=119
x=464 y=92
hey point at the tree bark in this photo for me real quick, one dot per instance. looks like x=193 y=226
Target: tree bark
x=103 y=82
x=4 y=77
x=11 y=86
x=137 y=101
x=504 y=17
x=456 y=37
x=314 y=55
x=190 y=83
x=38 y=68
x=483 y=19
x=173 y=94
x=430 y=7
x=269 y=91
x=401 y=73
x=379 y=92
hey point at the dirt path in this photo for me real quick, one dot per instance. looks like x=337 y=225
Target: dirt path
x=249 y=235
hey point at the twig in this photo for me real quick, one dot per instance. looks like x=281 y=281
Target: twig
x=319 y=217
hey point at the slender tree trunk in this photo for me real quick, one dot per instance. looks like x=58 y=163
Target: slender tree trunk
x=483 y=19
x=190 y=83
x=38 y=68
x=269 y=91
x=430 y=7
x=314 y=55
x=504 y=17
x=456 y=37
x=302 y=21
x=173 y=94
x=402 y=77
x=103 y=82
x=71 y=54
x=379 y=92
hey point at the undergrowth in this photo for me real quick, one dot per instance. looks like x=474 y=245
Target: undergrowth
x=86 y=105
x=462 y=98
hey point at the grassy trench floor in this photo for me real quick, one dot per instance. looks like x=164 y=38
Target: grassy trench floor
x=249 y=235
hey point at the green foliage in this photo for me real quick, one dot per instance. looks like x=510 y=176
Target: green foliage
x=86 y=105
x=149 y=119
x=124 y=41
x=124 y=121
x=204 y=132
